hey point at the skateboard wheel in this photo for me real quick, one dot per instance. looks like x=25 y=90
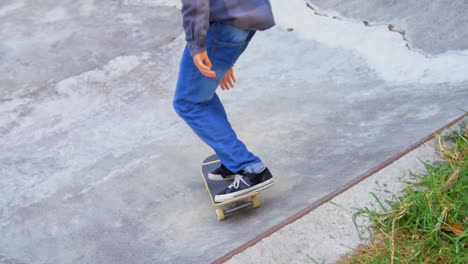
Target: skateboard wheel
x=220 y=214
x=255 y=202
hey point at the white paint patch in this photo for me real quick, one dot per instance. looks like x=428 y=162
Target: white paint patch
x=115 y=173
x=87 y=8
x=76 y=98
x=384 y=51
x=54 y=15
x=425 y=112
x=8 y=106
x=116 y=67
x=5 y=111
x=169 y=3
x=10 y=8
x=128 y=18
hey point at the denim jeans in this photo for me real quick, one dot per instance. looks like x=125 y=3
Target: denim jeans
x=198 y=104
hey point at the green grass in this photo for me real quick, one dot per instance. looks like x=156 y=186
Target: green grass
x=429 y=223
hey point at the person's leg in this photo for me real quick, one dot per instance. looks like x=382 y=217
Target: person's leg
x=197 y=103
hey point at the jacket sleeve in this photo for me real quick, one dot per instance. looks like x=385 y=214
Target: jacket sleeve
x=196 y=19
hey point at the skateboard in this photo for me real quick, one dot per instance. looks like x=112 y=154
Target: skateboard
x=226 y=208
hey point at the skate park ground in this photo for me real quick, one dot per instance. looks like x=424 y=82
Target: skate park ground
x=95 y=166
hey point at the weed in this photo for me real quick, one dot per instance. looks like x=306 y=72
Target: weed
x=425 y=225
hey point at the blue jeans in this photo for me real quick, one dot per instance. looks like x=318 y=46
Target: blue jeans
x=198 y=104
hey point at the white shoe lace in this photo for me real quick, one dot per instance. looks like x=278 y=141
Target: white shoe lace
x=237 y=181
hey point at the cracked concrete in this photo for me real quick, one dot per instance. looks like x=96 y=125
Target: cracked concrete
x=95 y=166
x=434 y=27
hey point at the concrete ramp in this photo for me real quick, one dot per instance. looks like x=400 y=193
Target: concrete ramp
x=95 y=166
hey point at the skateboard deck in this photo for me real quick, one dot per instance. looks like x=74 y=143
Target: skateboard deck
x=223 y=209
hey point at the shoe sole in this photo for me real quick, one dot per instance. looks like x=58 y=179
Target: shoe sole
x=217 y=177
x=258 y=187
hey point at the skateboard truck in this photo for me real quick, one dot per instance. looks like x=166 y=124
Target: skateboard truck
x=254 y=202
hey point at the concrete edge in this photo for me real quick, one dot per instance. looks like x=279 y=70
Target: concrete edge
x=335 y=193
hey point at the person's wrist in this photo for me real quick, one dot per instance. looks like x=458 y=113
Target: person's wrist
x=199 y=54
x=195 y=48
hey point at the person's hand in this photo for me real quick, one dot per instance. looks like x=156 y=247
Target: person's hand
x=228 y=81
x=203 y=63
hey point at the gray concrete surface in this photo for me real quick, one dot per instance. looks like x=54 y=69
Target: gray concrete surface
x=95 y=167
x=328 y=232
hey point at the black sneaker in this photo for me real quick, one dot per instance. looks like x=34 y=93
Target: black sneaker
x=221 y=174
x=245 y=183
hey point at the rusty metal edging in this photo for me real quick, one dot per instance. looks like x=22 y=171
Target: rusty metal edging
x=333 y=194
